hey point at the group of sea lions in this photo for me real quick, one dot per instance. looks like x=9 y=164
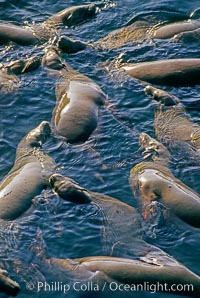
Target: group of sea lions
x=75 y=117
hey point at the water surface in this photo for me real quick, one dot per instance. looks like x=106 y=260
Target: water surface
x=62 y=229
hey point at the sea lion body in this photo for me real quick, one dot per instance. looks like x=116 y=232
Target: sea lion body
x=8 y=79
x=8 y=285
x=73 y=15
x=189 y=36
x=29 y=175
x=173 y=72
x=7 y=82
x=119 y=219
x=17 y=34
x=75 y=116
x=170 y=30
x=147 y=28
x=153 y=181
x=21 y=66
x=173 y=126
x=69 y=45
x=136 y=32
x=124 y=272
x=122 y=232
x=41 y=33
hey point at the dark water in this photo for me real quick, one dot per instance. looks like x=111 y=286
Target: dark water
x=62 y=229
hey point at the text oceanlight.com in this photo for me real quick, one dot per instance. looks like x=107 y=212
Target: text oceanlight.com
x=59 y=286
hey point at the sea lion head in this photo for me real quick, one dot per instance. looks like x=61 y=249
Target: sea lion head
x=69 y=190
x=52 y=59
x=38 y=135
x=76 y=15
x=161 y=96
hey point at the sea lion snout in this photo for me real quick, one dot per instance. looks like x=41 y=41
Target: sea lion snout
x=38 y=136
x=55 y=178
x=52 y=59
x=162 y=96
x=149 y=90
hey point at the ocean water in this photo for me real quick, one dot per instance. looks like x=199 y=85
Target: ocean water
x=60 y=229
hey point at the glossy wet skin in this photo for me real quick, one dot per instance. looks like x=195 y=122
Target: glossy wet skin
x=43 y=32
x=142 y=30
x=29 y=175
x=68 y=189
x=121 y=270
x=73 y=15
x=170 y=30
x=75 y=116
x=8 y=80
x=172 y=124
x=22 y=66
x=153 y=181
x=17 y=34
x=122 y=226
x=172 y=72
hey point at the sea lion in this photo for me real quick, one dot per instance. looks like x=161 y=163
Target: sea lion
x=136 y=32
x=21 y=66
x=69 y=45
x=147 y=27
x=8 y=285
x=122 y=230
x=75 y=116
x=28 y=176
x=7 y=82
x=171 y=30
x=123 y=272
x=173 y=126
x=153 y=181
x=172 y=72
x=8 y=79
x=40 y=33
x=188 y=36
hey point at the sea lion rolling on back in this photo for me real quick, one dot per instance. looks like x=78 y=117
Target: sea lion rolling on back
x=153 y=181
x=75 y=116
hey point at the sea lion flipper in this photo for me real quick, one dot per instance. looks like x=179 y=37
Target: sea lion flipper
x=152 y=146
x=69 y=189
x=161 y=95
x=7 y=284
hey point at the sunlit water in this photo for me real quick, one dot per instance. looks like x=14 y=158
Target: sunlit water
x=62 y=229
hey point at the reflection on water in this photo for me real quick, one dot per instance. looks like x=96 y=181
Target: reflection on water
x=63 y=229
